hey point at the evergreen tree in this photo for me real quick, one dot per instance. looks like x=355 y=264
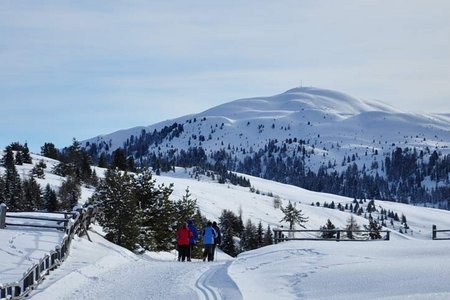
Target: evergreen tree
x=228 y=245
x=26 y=154
x=50 y=200
x=157 y=213
x=374 y=228
x=19 y=158
x=119 y=218
x=293 y=216
x=229 y=225
x=268 y=236
x=185 y=207
x=119 y=160
x=69 y=193
x=102 y=161
x=38 y=170
x=13 y=189
x=350 y=227
x=8 y=158
x=328 y=230
x=165 y=214
x=32 y=195
x=260 y=235
x=49 y=150
x=2 y=189
x=249 y=238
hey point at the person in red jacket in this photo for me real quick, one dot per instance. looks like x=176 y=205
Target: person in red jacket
x=183 y=235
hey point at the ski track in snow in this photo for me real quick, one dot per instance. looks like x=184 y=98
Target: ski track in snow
x=216 y=284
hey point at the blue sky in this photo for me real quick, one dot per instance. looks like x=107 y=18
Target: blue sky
x=83 y=68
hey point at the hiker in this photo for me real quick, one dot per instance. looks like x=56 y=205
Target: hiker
x=208 y=234
x=193 y=239
x=183 y=235
x=217 y=239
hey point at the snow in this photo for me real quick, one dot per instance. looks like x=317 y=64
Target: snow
x=345 y=270
x=408 y=266
x=321 y=117
x=21 y=248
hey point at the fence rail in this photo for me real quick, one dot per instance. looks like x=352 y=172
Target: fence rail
x=335 y=235
x=79 y=222
x=435 y=232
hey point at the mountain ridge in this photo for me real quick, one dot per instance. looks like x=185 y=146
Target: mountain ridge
x=306 y=136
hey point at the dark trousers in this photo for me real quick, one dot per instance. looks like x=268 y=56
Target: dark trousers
x=208 y=253
x=182 y=252
x=213 y=250
x=189 y=252
x=190 y=249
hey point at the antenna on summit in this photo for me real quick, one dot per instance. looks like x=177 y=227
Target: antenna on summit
x=301 y=83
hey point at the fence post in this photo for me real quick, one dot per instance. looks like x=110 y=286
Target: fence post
x=275 y=236
x=434 y=232
x=388 y=235
x=338 y=235
x=2 y=215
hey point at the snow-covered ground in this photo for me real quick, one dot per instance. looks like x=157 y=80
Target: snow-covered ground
x=408 y=266
x=398 y=269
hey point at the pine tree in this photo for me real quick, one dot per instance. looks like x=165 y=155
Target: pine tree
x=260 y=235
x=119 y=159
x=328 y=230
x=119 y=218
x=38 y=170
x=8 y=158
x=157 y=213
x=228 y=245
x=69 y=193
x=102 y=162
x=268 y=236
x=19 y=158
x=350 y=227
x=374 y=228
x=249 y=238
x=229 y=225
x=2 y=189
x=26 y=154
x=185 y=207
x=293 y=216
x=50 y=200
x=166 y=225
x=12 y=189
x=49 y=150
x=32 y=195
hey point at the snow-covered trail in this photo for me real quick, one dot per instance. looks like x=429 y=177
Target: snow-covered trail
x=215 y=284
x=101 y=270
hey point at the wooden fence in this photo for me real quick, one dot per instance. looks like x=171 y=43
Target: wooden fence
x=336 y=235
x=75 y=222
x=435 y=232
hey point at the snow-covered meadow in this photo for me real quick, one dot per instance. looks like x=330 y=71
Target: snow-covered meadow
x=408 y=266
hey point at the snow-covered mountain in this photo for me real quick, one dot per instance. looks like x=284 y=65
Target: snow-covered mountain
x=306 y=113
x=313 y=129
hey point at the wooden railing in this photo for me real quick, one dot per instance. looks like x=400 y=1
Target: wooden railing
x=282 y=235
x=78 y=223
x=435 y=231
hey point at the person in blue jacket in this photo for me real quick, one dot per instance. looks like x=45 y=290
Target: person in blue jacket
x=193 y=238
x=209 y=235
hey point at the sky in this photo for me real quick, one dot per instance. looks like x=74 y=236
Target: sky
x=78 y=69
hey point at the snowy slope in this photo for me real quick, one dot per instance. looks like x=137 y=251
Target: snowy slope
x=291 y=270
x=332 y=123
